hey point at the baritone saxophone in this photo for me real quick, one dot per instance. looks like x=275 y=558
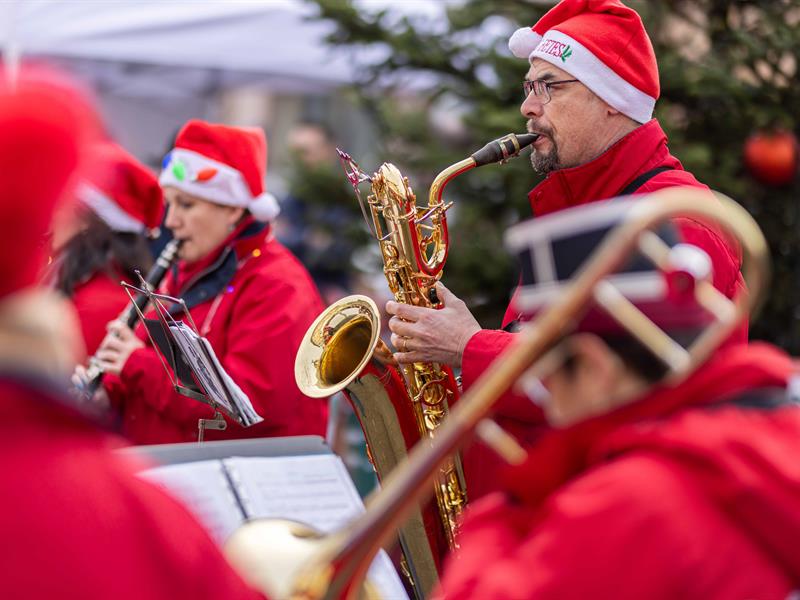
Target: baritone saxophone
x=399 y=406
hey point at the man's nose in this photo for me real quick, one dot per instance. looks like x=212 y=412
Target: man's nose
x=531 y=107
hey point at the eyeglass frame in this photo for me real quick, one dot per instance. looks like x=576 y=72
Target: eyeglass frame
x=529 y=85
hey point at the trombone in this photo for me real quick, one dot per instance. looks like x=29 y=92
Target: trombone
x=287 y=559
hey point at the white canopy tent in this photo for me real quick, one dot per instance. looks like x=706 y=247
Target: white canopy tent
x=156 y=63
x=270 y=41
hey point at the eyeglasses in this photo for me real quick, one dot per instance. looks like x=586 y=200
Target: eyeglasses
x=541 y=88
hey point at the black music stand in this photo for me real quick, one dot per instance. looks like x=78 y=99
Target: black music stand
x=188 y=374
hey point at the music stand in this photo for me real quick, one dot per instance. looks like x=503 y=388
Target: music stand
x=188 y=375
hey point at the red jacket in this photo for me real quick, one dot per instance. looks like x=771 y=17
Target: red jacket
x=77 y=524
x=684 y=494
x=605 y=177
x=98 y=301
x=253 y=304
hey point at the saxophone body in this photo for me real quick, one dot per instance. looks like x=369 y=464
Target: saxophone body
x=413 y=243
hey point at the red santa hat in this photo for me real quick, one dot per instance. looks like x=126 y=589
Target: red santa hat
x=603 y=44
x=222 y=164
x=122 y=191
x=46 y=126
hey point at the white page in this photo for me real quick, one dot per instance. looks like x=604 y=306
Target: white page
x=203 y=488
x=188 y=342
x=316 y=490
x=240 y=399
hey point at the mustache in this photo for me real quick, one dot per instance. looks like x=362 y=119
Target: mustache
x=533 y=128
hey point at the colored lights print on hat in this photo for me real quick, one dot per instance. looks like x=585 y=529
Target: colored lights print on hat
x=181 y=171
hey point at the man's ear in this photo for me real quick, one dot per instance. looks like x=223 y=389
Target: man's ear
x=595 y=360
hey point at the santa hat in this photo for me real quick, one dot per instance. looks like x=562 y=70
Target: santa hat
x=122 y=191
x=46 y=126
x=221 y=164
x=552 y=249
x=603 y=44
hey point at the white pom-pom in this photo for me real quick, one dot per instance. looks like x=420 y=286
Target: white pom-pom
x=523 y=42
x=264 y=207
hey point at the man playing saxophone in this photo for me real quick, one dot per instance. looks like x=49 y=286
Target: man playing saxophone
x=589 y=93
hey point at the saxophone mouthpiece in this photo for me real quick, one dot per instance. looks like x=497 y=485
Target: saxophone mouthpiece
x=501 y=149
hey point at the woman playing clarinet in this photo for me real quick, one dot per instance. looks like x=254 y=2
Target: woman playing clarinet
x=248 y=296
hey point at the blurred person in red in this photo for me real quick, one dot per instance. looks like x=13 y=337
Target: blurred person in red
x=589 y=93
x=642 y=488
x=102 y=239
x=249 y=296
x=76 y=521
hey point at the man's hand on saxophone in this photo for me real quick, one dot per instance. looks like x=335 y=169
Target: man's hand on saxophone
x=432 y=335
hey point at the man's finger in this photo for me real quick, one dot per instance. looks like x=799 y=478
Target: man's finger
x=442 y=291
x=408 y=357
x=401 y=327
x=405 y=311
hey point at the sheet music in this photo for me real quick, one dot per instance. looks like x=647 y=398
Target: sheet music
x=204 y=488
x=316 y=490
x=187 y=341
x=213 y=378
x=240 y=399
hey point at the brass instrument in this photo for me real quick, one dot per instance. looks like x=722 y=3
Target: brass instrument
x=398 y=406
x=336 y=567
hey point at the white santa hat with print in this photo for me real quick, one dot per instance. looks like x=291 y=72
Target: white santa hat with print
x=222 y=164
x=604 y=45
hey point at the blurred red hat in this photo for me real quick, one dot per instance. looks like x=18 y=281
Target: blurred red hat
x=46 y=125
x=122 y=191
x=222 y=164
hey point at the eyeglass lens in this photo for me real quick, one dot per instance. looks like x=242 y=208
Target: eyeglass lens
x=538 y=87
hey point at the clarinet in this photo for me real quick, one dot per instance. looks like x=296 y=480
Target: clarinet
x=94 y=372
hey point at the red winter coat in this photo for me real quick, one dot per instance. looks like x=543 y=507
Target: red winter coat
x=684 y=494
x=98 y=301
x=254 y=314
x=77 y=524
x=605 y=177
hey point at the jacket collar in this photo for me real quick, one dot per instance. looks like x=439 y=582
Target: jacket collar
x=563 y=454
x=604 y=177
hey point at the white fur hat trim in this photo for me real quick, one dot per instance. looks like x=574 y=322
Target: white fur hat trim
x=523 y=42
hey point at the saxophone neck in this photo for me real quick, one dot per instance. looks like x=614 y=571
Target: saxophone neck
x=499 y=150
x=448 y=174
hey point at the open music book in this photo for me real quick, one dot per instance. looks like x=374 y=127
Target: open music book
x=190 y=361
x=314 y=489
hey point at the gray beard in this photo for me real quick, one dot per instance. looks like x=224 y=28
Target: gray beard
x=544 y=163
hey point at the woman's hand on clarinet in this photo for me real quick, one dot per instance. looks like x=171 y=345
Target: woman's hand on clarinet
x=432 y=335
x=116 y=347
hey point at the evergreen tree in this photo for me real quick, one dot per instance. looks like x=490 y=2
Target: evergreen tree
x=727 y=69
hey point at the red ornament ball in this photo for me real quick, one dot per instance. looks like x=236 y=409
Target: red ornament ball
x=772 y=156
